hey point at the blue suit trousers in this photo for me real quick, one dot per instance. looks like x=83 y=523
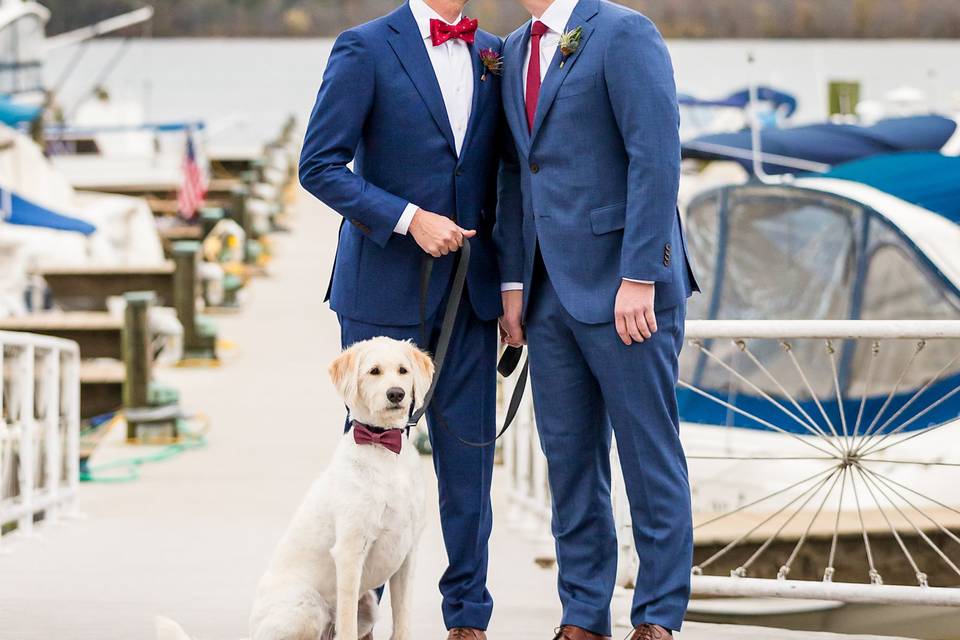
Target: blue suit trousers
x=466 y=399
x=588 y=385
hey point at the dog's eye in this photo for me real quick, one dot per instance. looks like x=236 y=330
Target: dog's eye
x=375 y=371
x=403 y=371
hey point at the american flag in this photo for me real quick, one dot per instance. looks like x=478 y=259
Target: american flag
x=193 y=191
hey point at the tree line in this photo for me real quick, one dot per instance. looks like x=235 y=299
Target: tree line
x=676 y=18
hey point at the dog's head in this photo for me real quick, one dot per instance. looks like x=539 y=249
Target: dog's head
x=381 y=379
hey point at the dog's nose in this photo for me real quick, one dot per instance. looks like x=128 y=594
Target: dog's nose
x=395 y=394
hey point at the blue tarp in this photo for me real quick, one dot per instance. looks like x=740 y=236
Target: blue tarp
x=928 y=180
x=18 y=210
x=12 y=114
x=741 y=99
x=831 y=144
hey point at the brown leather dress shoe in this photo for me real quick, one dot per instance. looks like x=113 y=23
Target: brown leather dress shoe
x=569 y=632
x=369 y=636
x=463 y=633
x=650 y=632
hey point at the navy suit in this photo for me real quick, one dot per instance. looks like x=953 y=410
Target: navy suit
x=599 y=175
x=380 y=106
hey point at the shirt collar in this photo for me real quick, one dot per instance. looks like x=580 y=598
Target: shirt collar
x=423 y=14
x=557 y=15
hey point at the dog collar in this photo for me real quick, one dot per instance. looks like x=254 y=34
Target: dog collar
x=390 y=439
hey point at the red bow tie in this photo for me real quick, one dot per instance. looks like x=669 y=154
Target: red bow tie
x=391 y=439
x=465 y=30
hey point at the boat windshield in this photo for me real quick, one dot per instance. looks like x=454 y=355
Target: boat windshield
x=771 y=253
x=21 y=55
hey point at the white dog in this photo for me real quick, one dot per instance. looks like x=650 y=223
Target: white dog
x=359 y=525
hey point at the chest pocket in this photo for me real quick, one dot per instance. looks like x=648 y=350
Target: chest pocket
x=578 y=85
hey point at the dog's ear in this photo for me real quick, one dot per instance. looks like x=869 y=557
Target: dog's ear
x=422 y=372
x=344 y=372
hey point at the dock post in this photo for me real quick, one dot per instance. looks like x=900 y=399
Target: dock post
x=199 y=339
x=137 y=354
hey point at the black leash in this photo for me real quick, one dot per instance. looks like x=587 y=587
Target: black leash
x=508 y=362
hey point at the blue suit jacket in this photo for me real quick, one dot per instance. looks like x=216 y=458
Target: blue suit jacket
x=600 y=171
x=380 y=106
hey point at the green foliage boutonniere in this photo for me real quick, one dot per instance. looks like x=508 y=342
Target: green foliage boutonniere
x=569 y=43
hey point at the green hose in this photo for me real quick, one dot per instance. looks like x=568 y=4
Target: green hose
x=132 y=465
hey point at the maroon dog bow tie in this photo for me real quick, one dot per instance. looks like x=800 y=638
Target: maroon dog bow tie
x=391 y=439
x=465 y=30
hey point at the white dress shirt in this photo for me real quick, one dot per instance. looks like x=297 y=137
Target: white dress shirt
x=556 y=18
x=453 y=66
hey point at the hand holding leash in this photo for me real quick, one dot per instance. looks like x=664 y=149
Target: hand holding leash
x=437 y=235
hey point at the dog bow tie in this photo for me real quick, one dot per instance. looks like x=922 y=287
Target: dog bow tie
x=391 y=439
x=441 y=32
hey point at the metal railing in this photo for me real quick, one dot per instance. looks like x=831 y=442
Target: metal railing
x=39 y=431
x=836 y=481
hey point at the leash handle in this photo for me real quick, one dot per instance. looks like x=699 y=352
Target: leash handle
x=508 y=363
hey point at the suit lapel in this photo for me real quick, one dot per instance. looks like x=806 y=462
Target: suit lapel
x=407 y=43
x=585 y=10
x=514 y=87
x=478 y=86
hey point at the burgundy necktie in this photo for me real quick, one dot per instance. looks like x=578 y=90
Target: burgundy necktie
x=533 y=71
x=465 y=30
x=392 y=440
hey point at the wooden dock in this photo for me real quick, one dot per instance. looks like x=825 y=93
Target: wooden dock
x=190 y=539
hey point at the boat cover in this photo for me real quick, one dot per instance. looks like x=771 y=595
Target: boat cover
x=741 y=99
x=18 y=210
x=13 y=114
x=928 y=180
x=828 y=143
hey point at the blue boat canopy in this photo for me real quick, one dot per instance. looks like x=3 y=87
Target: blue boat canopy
x=928 y=180
x=741 y=99
x=20 y=211
x=827 y=143
x=13 y=114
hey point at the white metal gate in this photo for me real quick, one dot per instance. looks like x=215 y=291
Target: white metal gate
x=39 y=430
x=841 y=473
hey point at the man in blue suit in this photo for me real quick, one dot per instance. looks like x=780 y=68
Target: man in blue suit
x=409 y=99
x=589 y=94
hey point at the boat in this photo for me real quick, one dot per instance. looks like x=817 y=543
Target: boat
x=873 y=239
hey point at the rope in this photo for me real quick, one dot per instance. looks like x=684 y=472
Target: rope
x=764 y=394
x=813 y=394
x=131 y=466
x=893 y=392
x=875 y=577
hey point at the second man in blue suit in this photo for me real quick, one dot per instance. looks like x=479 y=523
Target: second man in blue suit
x=589 y=93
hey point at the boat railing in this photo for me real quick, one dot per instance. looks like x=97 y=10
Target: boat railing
x=836 y=481
x=39 y=431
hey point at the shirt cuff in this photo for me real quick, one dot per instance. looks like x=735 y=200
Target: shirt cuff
x=511 y=286
x=403 y=224
x=639 y=281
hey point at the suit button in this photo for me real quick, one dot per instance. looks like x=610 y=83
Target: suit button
x=459 y=171
x=666 y=261
x=534 y=168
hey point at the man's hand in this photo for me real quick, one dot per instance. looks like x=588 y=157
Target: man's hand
x=511 y=329
x=437 y=235
x=633 y=312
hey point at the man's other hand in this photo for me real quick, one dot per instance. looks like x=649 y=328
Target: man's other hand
x=437 y=235
x=511 y=328
x=633 y=312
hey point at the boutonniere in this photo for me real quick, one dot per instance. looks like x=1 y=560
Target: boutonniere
x=569 y=43
x=492 y=62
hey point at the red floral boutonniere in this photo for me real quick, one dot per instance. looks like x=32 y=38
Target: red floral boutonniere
x=492 y=62
x=569 y=43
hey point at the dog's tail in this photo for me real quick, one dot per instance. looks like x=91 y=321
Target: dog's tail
x=167 y=629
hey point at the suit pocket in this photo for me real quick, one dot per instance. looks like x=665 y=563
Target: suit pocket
x=576 y=86
x=607 y=219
